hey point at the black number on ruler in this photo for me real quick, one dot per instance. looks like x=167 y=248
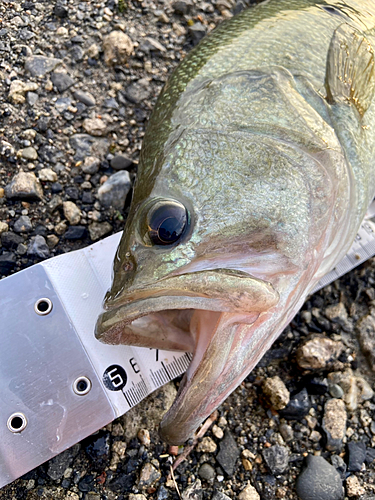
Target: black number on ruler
x=115 y=378
x=134 y=365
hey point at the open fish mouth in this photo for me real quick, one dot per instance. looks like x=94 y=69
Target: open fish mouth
x=200 y=312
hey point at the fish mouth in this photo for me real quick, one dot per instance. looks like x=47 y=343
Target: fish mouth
x=198 y=312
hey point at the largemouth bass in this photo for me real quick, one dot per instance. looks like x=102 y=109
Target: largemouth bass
x=255 y=174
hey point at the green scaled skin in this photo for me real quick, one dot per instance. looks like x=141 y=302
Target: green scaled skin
x=265 y=134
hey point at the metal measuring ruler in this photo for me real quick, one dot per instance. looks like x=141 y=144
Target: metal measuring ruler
x=58 y=383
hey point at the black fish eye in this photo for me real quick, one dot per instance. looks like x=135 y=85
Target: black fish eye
x=166 y=222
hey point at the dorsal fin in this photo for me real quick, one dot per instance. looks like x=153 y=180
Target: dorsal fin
x=350 y=74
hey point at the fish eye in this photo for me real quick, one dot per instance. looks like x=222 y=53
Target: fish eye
x=166 y=222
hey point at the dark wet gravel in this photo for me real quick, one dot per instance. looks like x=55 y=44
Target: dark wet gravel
x=72 y=123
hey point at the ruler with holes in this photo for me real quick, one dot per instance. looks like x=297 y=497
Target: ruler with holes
x=58 y=383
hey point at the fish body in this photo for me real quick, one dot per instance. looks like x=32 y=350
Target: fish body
x=255 y=173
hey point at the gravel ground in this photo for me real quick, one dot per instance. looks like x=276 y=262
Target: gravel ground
x=78 y=82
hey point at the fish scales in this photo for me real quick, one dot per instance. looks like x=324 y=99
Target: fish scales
x=254 y=176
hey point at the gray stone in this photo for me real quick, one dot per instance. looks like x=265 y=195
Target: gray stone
x=85 y=97
x=197 y=32
x=29 y=153
x=58 y=464
x=139 y=91
x=336 y=391
x=99 y=229
x=114 y=191
x=356 y=455
x=219 y=495
x=228 y=454
x=62 y=81
x=38 y=247
x=193 y=492
x=207 y=472
x=339 y=464
x=41 y=65
x=319 y=481
x=86 y=145
x=32 y=98
x=120 y=162
x=148 y=476
x=55 y=203
x=287 y=432
x=182 y=6
x=94 y=126
x=23 y=224
x=90 y=165
x=24 y=186
x=276 y=458
x=62 y=104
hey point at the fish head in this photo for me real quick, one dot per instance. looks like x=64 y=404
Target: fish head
x=219 y=247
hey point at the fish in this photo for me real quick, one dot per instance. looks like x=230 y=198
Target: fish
x=256 y=170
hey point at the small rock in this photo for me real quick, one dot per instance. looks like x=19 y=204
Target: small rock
x=249 y=493
x=114 y=191
x=353 y=487
x=310 y=484
x=336 y=391
x=85 y=97
x=61 y=227
x=193 y=492
x=117 y=48
x=207 y=445
x=276 y=458
x=334 y=423
x=136 y=496
x=370 y=455
x=218 y=432
x=57 y=465
x=276 y=392
x=38 y=247
x=10 y=240
x=32 y=98
x=29 y=153
x=355 y=388
x=3 y=227
x=90 y=165
x=287 y=432
x=76 y=233
x=144 y=437
x=120 y=162
x=72 y=212
x=99 y=229
x=318 y=353
x=86 y=145
x=23 y=224
x=228 y=454
x=356 y=456
x=339 y=464
x=47 y=175
x=207 y=472
x=366 y=335
x=337 y=313
x=182 y=6
x=52 y=241
x=62 y=81
x=18 y=89
x=62 y=104
x=219 y=495
x=7 y=262
x=24 y=186
x=148 y=476
x=298 y=406
x=41 y=65
x=94 y=126
x=197 y=32
x=60 y=11
x=139 y=91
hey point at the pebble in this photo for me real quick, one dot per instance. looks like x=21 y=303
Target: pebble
x=3 y=227
x=114 y=190
x=355 y=388
x=86 y=145
x=249 y=493
x=353 y=487
x=47 y=175
x=90 y=165
x=334 y=424
x=336 y=391
x=298 y=406
x=94 y=126
x=207 y=445
x=38 y=247
x=24 y=186
x=366 y=334
x=319 y=481
x=207 y=472
x=62 y=81
x=18 y=89
x=218 y=431
x=138 y=91
x=197 y=32
x=52 y=241
x=228 y=454
x=339 y=464
x=117 y=48
x=287 y=432
x=120 y=162
x=144 y=437
x=10 y=240
x=72 y=212
x=276 y=458
x=318 y=353
x=57 y=465
x=85 y=97
x=29 y=153
x=136 y=496
x=76 y=233
x=23 y=225
x=193 y=492
x=276 y=393
x=219 y=495
x=7 y=262
x=356 y=455
x=32 y=98
x=337 y=313
x=41 y=65
x=182 y=6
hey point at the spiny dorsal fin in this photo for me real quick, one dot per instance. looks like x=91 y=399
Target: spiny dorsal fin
x=350 y=74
